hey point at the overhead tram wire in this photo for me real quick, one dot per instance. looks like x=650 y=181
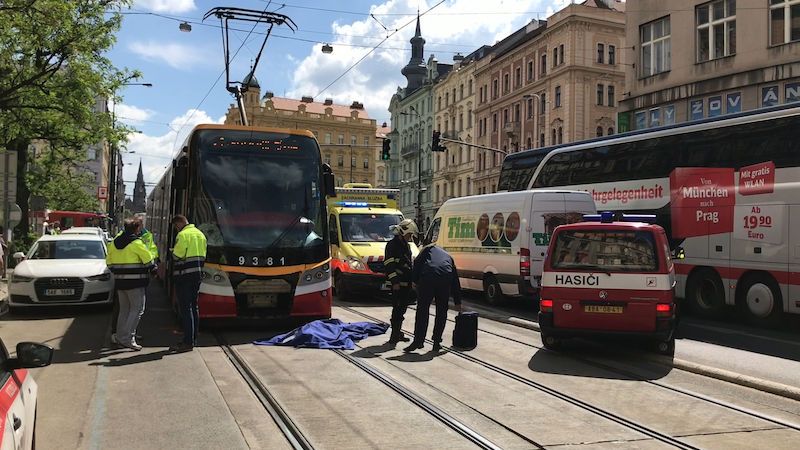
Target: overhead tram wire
x=196 y=108
x=375 y=48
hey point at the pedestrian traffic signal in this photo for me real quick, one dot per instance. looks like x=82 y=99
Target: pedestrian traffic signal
x=435 y=145
x=386 y=152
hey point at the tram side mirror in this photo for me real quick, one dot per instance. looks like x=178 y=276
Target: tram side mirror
x=328 y=181
x=679 y=253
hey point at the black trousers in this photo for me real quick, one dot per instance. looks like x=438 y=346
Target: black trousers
x=114 y=313
x=427 y=290
x=186 y=289
x=400 y=298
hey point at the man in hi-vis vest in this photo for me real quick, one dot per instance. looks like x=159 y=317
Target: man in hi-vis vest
x=189 y=256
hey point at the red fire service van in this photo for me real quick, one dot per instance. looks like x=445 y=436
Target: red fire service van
x=606 y=277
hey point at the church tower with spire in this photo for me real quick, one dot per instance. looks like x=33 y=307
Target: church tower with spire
x=415 y=70
x=139 y=192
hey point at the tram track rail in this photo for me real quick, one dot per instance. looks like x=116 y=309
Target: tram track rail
x=594 y=409
x=293 y=434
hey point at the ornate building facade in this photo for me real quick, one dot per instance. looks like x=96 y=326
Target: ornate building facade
x=346 y=134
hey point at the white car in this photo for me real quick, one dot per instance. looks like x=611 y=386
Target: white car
x=95 y=231
x=62 y=269
x=19 y=392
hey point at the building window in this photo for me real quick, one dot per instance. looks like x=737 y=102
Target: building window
x=327 y=138
x=611 y=99
x=541 y=140
x=340 y=161
x=353 y=140
x=91 y=154
x=610 y=131
x=460 y=91
x=599 y=131
x=454 y=95
x=542 y=102
x=494 y=88
x=516 y=112
x=529 y=108
x=461 y=122
x=561 y=53
x=530 y=70
x=366 y=163
x=439 y=101
x=560 y=135
x=518 y=77
x=447 y=98
x=654 y=38
x=601 y=53
x=600 y=93
x=366 y=141
x=553 y=137
x=505 y=116
x=529 y=142
x=612 y=55
x=716 y=29
x=558 y=97
x=784 y=21
x=506 y=84
x=469 y=186
x=494 y=123
x=341 y=139
x=352 y=161
x=470 y=87
x=555 y=56
x=543 y=65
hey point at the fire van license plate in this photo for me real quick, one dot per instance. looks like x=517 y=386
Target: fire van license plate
x=262 y=300
x=59 y=292
x=603 y=309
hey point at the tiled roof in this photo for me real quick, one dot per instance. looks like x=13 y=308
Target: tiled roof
x=290 y=104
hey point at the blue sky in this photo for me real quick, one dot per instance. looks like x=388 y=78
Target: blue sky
x=183 y=67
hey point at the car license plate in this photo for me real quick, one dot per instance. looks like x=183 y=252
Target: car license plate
x=59 y=292
x=605 y=309
x=262 y=300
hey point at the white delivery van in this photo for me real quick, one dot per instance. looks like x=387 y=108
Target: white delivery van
x=499 y=241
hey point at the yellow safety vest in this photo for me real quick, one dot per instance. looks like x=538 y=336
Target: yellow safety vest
x=147 y=238
x=189 y=250
x=130 y=265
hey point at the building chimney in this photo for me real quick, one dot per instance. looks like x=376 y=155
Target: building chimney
x=328 y=101
x=384 y=125
x=307 y=99
x=357 y=105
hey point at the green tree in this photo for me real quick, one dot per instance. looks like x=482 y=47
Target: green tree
x=52 y=73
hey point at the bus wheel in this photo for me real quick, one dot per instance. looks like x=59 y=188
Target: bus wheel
x=705 y=294
x=760 y=299
x=492 y=291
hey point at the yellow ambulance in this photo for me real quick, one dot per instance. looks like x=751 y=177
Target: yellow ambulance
x=359 y=220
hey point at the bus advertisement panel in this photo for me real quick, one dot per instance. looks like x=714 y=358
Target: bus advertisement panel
x=724 y=189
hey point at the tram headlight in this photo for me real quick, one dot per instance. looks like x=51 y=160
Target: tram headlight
x=315 y=275
x=214 y=276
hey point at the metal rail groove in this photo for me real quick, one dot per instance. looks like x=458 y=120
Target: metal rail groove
x=290 y=430
x=453 y=423
x=643 y=429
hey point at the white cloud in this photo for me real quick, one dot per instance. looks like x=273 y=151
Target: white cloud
x=451 y=27
x=156 y=151
x=131 y=114
x=178 y=56
x=166 y=6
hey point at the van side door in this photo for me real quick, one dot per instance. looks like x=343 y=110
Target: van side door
x=547 y=212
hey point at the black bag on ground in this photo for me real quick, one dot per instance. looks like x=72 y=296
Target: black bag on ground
x=465 y=334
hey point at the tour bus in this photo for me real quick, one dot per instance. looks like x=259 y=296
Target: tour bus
x=359 y=221
x=258 y=195
x=498 y=241
x=725 y=189
x=607 y=277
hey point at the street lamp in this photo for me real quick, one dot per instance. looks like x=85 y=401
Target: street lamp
x=185 y=27
x=420 y=189
x=115 y=159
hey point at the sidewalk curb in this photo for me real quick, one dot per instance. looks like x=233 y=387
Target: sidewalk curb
x=758 y=384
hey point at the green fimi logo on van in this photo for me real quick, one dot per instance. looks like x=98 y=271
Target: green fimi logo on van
x=456 y=229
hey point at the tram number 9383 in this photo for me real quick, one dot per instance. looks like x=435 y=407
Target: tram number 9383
x=256 y=261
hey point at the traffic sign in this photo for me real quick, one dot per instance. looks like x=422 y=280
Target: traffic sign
x=102 y=192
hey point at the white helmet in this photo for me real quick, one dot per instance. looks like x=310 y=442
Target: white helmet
x=406 y=226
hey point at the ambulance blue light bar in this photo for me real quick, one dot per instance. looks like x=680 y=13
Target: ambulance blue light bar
x=354 y=204
x=603 y=217
x=644 y=218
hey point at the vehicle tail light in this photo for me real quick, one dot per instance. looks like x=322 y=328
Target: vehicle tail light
x=524 y=262
x=546 y=306
x=663 y=310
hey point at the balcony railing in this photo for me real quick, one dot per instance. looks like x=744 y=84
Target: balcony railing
x=511 y=128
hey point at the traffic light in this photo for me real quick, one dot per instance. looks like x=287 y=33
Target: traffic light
x=386 y=152
x=435 y=146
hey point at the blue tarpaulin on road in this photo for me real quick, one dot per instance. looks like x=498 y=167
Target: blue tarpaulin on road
x=329 y=333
